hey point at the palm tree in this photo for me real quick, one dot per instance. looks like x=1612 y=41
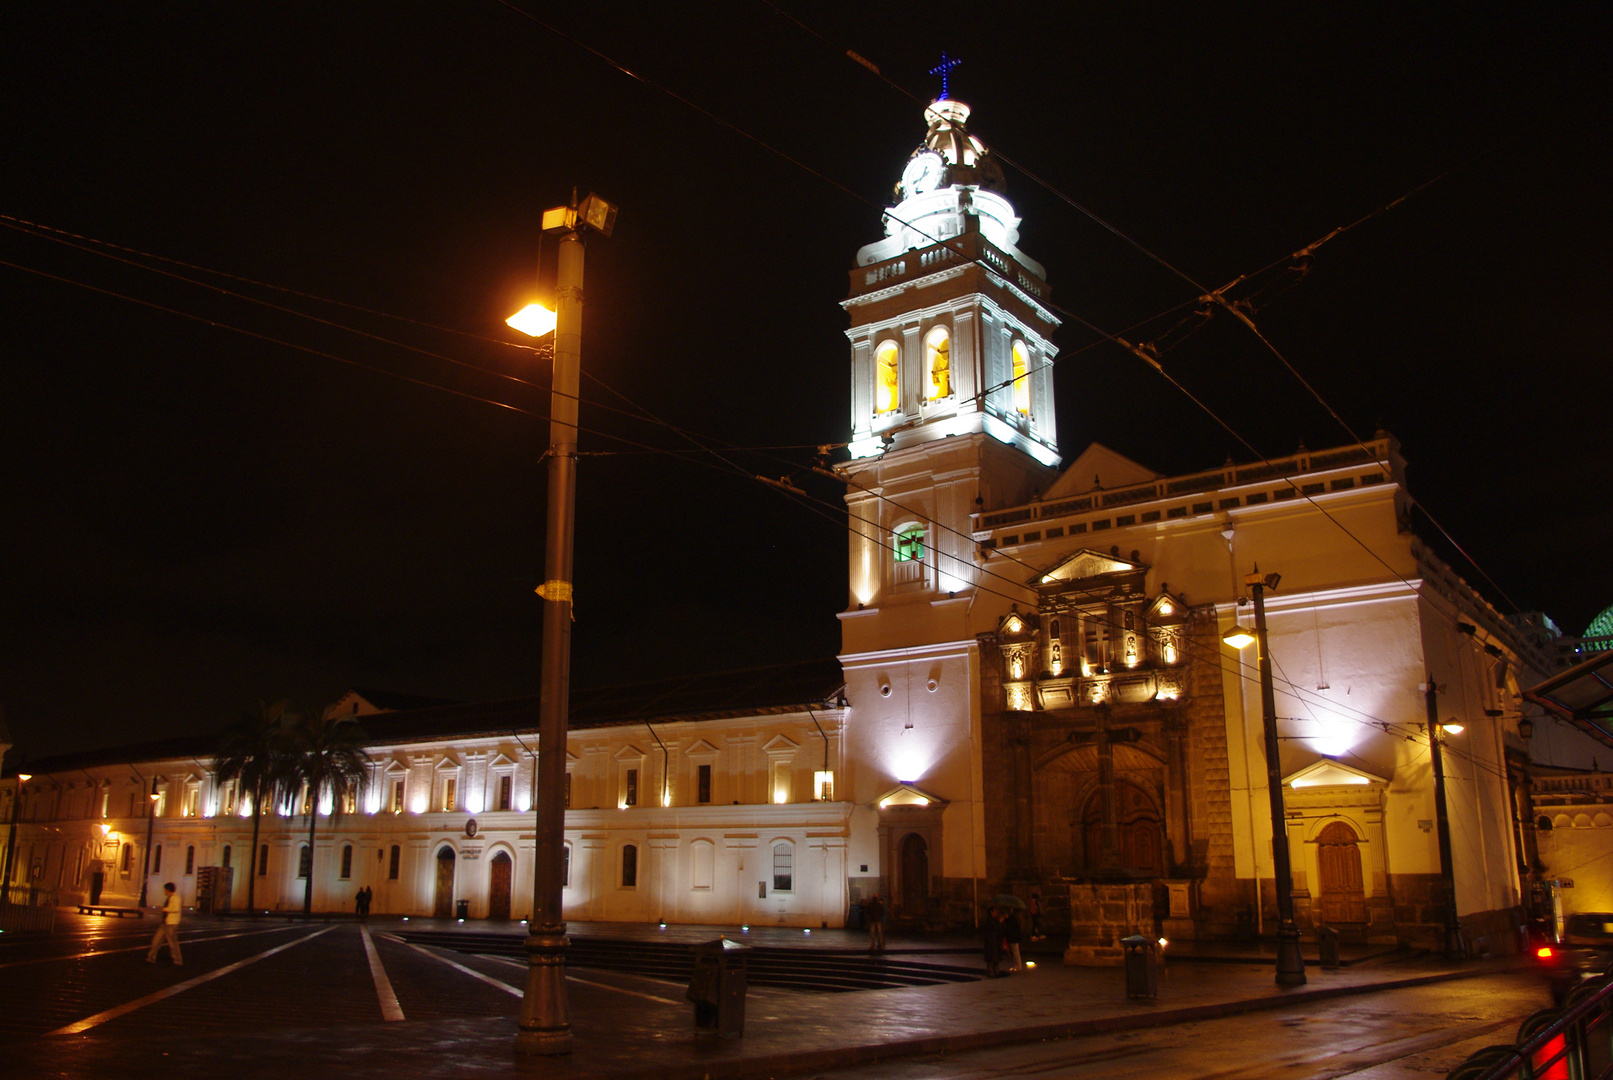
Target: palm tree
x=253 y=753
x=327 y=761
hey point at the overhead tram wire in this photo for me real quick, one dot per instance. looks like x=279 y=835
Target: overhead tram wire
x=836 y=517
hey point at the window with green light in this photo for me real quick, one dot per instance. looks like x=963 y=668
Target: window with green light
x=910 y=545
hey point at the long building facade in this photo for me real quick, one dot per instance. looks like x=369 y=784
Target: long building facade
x=1033 y=692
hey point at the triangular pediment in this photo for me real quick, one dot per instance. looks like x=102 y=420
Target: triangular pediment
x=1098 y=467
x=1330 y=773
x=778 y=744
x=501 y=761
x=1085 y=563
x=628 y=751
x=447 y=764
x=1165 y=608
x=700 y=748
x=909 y=795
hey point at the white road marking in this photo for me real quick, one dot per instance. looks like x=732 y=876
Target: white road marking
x=390 y=1009
x=488 y=979
x=179 y=988
x=602 y=986
x=195 y=939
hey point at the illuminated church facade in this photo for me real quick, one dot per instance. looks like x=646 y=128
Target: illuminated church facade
x=1033 y=692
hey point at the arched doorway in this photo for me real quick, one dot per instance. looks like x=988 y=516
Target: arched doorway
x=915 y=874
x=1338 y=856
x=444 y=907
x=1139 y=838
x=498 y=887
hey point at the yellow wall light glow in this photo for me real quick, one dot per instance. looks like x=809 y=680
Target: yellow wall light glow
x=1238 y=638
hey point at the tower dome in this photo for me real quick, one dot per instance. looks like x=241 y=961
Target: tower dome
x=950 y=176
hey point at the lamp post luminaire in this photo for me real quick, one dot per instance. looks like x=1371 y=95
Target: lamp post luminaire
x=545 y=1023
x=11 y=838
x=151 y=827
x=1290 y=963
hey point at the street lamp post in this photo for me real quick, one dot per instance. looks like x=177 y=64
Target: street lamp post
x=151 y=827
x=1454 y=949
x=1290 y=963
x=545 y=1024
x=11 y=838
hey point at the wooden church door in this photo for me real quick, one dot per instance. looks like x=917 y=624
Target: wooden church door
x=1339 y=854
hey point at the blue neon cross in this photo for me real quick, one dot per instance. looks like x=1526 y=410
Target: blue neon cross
x=942 y=70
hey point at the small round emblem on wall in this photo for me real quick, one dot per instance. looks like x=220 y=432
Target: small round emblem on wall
x=470 y=827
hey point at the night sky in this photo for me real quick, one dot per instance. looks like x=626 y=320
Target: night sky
x=210 y=501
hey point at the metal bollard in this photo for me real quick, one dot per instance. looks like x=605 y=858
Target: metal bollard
x=1142 y=974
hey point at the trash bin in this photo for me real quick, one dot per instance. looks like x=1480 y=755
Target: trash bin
x=717 y=987
x=1327 y=943
x=462 y=908
x=1142 y=976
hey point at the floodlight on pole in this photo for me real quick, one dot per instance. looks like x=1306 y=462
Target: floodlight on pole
x=1238 y=638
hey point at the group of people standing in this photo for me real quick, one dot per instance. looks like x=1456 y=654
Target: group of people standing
x=361 y=905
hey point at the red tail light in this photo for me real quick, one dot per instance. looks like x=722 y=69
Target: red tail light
x=1544 y=952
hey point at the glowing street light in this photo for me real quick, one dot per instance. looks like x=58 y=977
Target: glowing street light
x=534 y=320
x=1238 y=638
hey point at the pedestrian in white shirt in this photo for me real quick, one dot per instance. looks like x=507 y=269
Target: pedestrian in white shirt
x=169 y=929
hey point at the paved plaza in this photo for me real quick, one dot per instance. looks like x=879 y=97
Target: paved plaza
x=267 y=997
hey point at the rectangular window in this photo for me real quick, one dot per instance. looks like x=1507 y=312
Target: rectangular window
x=156 y=859
x=1150 y=515
x=1101 y=523
x=1177 y=511
x=190 y=860
x=349 y=801
x=307 y=800
x=1228 y=504
x=193 y=798
x=505 y=784
x=781 y=782
x=568 y=791
x=1125 y=519
x=629 y=866
x=565 y=867
x=392 y=866
x=449 y=787
x=347 y=861
x=305 y=861
x=1343 y=485
x=397 y=796
x=134 y=805
x=1055 y=532
x=263 y=860
x=1203 y=508
x=783 y=868
x=704 y=784
x=631 y=797
x=1311 y=489
x=229 y=798
x=1255 y=499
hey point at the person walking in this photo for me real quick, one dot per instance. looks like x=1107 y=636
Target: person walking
x=368 y=895
x=993 y=935
x=1012 y=936
x=874 y=916
x=168 y=929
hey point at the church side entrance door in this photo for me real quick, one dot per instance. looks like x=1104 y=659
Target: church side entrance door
x=498 y=900
x=915 y=874
x=1339 y=856
x=444 y=908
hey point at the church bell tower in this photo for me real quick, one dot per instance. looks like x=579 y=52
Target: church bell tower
x=951 y=371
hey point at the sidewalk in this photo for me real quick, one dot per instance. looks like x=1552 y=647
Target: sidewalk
x=785 y=1032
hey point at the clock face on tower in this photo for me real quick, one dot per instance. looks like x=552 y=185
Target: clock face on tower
x=923 y=173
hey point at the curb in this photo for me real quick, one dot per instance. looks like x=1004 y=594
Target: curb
x=781 y=1064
